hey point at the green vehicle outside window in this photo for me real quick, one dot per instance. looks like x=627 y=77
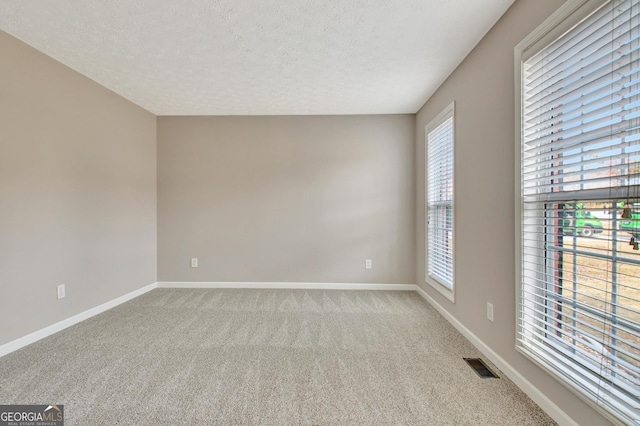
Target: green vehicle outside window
x=580 y=221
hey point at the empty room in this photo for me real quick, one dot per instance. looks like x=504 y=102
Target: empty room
x=320 y=213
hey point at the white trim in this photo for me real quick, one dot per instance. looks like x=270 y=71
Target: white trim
x=448 y=112
x=59 y=326
x=445 y=291
x=287 y=285
x=566 y=17
x=514 y=375
x=554 y=26
x=30 y=338
x=541 y=34
x=538 y=397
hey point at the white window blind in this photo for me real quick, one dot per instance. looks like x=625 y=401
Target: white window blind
x=579 y=291
x=439 y=196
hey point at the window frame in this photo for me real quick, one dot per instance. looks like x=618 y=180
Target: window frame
x=564 y=19
x=447 y=113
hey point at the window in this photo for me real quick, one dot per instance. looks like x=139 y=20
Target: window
x=578 y=212
x=439 y=202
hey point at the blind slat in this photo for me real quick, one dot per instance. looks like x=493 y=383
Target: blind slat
x=439 y=208
x=579 y=309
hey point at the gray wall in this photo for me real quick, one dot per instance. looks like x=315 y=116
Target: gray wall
x=77 y=192
x=483 y=89
x=286 y=199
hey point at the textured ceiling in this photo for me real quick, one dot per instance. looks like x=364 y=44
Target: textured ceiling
x=250 y=57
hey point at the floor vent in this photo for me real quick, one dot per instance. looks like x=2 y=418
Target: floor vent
x=481 y=368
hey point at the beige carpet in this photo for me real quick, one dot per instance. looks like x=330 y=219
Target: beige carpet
x=272 y=357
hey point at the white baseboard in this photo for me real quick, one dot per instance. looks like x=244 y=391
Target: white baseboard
x=526 y=386
x=288 y=285
x=54 y=328
x=48 y=331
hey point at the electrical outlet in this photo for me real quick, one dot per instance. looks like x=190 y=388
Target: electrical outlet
x=62 y=292
x=490 y=311
x=194 y=262
x=368 y=264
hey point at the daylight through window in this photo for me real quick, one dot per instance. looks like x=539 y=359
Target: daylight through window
x=579 y=283
x=439 y=208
